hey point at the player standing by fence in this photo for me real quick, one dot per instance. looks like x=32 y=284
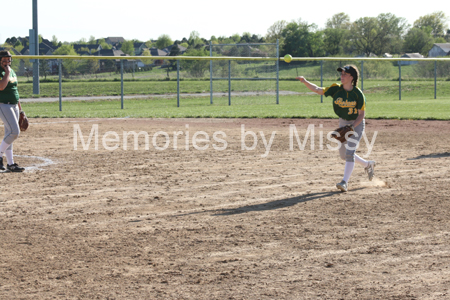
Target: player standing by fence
x=349 y=104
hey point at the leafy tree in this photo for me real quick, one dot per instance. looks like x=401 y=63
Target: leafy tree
x=104 y=44
x=194 y=39
x=19 y=47
x=89 y=66
x=149 y=43
x=163 y=41
x=236 y=38
x=175 y=51
x=435 y=21
x=128 y=48
x=334 y=40
x=195 y=68
x=275 y=31
x=146 y=52
x=92 y=40
x=302 y=40
x=82 y=41
x=69 y=66
x=54 y=40
x=418 y=41
x=377 y=35
x=339 y=21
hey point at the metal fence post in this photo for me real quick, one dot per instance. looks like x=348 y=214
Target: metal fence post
x=399 y=80
x=362 y=75
x=210 y=74
x=321 y=79
x=278 y=72
x=435 y=79
x=121 y=83
x=229 y=82
x=178 y=83
x=60 y=83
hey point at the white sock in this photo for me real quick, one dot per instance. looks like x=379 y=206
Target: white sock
x=349 y=166
x=3 y=147
x=9 y=157
x=361 y=161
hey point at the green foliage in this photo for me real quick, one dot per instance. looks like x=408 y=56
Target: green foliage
x=334 y=40
x=302 y=40
x=339 y=21
x=377 y=35
x=163 y=41
x=275 y=32
x=427 y=69
x=435 y=21
x=104 y=44
x=128 y=47
x=378 y=69
x=195 y=68
x=69 y=66
x=418 y=41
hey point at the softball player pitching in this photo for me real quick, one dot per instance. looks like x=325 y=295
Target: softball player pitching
x=349 y=104
x=9 y=111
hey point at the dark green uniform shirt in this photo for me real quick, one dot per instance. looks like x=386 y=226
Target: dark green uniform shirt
x=9 y=94
x=346 y=103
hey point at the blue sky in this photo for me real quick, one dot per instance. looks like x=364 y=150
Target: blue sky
x=72 y=20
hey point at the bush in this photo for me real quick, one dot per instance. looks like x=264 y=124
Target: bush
x=426 y=69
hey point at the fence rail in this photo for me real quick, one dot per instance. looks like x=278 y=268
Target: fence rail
x=208 y=58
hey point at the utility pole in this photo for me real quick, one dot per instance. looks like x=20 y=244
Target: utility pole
x=34 y=48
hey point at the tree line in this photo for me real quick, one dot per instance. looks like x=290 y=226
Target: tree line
x=385 y=33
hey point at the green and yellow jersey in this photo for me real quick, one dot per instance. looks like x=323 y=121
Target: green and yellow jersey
x=346 y=103
x=10 y=94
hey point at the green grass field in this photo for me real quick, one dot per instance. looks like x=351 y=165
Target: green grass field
x=417 y=99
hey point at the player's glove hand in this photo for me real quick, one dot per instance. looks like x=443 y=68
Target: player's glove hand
x=23 y=121
x=341 y=133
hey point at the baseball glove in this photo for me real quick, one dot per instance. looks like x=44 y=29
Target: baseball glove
x=341 y=132
x=23 y=121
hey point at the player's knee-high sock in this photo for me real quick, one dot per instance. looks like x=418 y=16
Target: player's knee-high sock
x=3 y=147
x=349 y=166
x=361 y=161
x=9 y=157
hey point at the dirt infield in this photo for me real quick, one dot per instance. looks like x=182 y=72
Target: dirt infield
x=214 y=219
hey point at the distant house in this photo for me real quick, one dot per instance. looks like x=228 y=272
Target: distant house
x=158 y=52
x=139 y=48
x=108 y=65
x=438 y=50
x=418 y=56
x=387 y=55
x=181 y=49
x=114 y=41
x=11 y=50
x=45 y=48
x=365 y=55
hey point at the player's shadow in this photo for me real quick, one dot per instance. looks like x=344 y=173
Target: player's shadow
x=432 y=155
x=276 y=204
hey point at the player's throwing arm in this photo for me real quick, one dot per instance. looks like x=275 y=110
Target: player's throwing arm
x=311 y=86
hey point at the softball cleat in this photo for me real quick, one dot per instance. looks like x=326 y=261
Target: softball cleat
x=370 y=169
x=1 y=164
x=342 y=186
x=15 y=168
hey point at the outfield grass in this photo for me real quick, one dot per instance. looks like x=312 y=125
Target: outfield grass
x=301 y=106
x=417 y=100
